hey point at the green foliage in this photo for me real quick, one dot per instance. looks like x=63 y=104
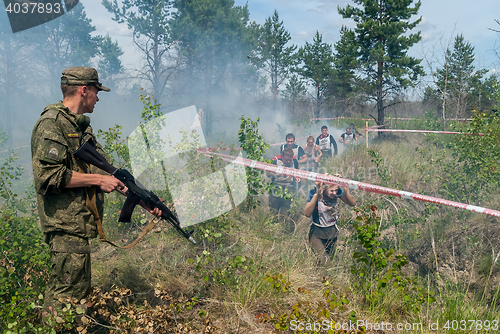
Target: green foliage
x=480 y=154
x=282 y=130
x=229 y=273
x=466 y=170
x=459 y=79
x=379 y=270
x=278 y=282
x=345 y=63
x=294 y=92
x=315 y=64
x=24 y=262
x=4 y=136
x=151 y=109
x=382 y=169
x=215 y=38
x=431 y=122
x=66 y=42
x=149 y=21
x=255 y=147
x=109 y=64
x=273 y=55
x=9 y=173
x=115 y=146
x=447 y=173
x=383 y=40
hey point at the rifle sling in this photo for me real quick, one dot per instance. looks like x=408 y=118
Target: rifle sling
x=92 y=206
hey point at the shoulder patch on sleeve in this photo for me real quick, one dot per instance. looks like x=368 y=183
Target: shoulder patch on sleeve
x=50 y=112
x=53 y=152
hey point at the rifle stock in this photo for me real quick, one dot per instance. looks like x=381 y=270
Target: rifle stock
x=135 y=192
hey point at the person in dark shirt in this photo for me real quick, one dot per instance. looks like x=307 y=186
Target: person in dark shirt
x=353 y=130
x=276 y=202
x=348 y=137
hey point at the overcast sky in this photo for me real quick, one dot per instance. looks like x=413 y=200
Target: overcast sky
x=441 y=21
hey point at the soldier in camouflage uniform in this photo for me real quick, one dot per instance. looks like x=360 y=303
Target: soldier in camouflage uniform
x=60 y=184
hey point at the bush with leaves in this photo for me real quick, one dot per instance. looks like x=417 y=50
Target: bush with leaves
x=255 y=147
x=379 y=271
x=24 y=260
x=478 y=149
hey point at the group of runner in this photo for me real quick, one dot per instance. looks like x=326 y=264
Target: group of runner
x=323 y=200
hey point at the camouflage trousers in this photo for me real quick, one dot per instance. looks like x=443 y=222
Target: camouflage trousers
x=70 y=269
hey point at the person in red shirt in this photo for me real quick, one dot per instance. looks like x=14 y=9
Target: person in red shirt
x=276 y=202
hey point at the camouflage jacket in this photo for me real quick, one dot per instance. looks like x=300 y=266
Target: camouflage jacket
x=57 y=134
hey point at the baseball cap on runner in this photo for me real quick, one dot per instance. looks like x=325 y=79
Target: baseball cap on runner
x=82 y=76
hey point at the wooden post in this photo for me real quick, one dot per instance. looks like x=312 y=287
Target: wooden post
x=367 y=134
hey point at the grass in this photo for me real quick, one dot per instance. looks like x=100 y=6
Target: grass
x=451 y=252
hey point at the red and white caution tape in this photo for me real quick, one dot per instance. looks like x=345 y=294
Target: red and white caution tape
x=302 y=174
x=325 y=119
x=341 y=117
x=218 y=149
x=376 y=126
x=373 y=129
x=387 y=118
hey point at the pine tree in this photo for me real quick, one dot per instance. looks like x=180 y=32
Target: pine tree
x=273 y=55
x=383 y=40
x=16 y=59
x=214 y=41
x=316 y=65
x=294 y=92
x=149 y=22
x=459 y=80
x=64 y=42
x=345 y=64
x=109 y=63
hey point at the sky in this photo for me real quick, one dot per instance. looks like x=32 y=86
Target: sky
x=442 y=20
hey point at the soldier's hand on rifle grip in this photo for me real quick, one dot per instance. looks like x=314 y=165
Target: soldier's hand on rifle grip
x=109 y=183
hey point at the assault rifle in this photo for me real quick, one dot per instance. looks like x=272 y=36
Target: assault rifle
x=136 y=191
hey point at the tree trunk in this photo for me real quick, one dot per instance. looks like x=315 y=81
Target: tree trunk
x=274 y=85
x=8 y=89
x=380 y=100
x=318 y=102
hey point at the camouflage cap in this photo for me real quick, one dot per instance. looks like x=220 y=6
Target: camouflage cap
x=82 y=76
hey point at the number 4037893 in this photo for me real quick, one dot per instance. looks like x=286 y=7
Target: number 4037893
x=34 y=7
x=479 y=325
